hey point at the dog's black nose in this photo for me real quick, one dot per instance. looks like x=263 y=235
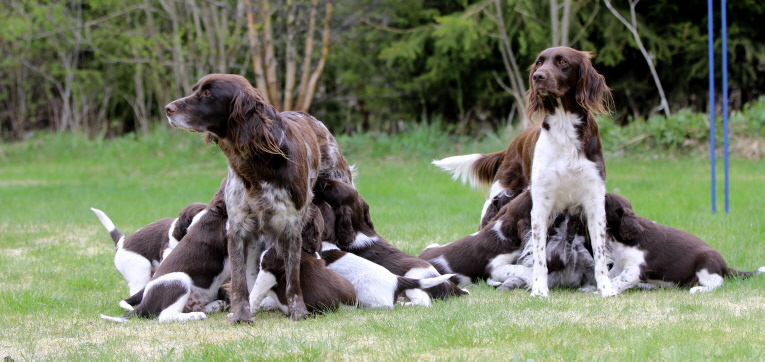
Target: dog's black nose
x=170 y=109
x=539 y=76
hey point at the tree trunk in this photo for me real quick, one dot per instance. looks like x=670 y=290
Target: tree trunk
x=632 y=27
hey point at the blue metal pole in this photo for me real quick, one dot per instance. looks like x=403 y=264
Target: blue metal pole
x=711 y=46
x=725 y=98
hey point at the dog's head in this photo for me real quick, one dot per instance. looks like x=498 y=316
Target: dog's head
x=231 y=109
x=562 y=71
x=350 y=209
x=621 y=220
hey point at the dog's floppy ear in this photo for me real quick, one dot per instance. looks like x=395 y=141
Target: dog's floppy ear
x=250 y=122
x=630 y=228
x=592 y=93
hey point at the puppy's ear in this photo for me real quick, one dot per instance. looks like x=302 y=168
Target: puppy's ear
x=344 y=233
x=592 y=93
x=630 y=228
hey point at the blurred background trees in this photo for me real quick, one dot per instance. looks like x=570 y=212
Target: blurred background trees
x=105 y=67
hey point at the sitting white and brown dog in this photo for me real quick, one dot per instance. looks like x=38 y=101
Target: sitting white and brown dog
x=646 y=252
x=139 y=254
x=186 y=284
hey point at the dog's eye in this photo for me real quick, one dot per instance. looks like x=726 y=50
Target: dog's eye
x=538 y=63
x=562 y=62
x=206 y=93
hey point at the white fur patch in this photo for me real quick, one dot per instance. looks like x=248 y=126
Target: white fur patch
x=625 y=272
x=363 y=241
x=134 y=268
x=374 y=285
x=707 y=282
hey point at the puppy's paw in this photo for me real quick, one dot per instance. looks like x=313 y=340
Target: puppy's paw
x=196 y=316
x=588 y=289
x=607 y=292
x=512 y=283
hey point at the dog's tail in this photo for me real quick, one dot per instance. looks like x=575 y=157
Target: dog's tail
x=109 y=225
x=476 y=169
x=405 y=283
x=745 y=274
x=122 y=319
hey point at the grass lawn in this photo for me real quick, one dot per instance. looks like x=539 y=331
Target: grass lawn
x=57 y=272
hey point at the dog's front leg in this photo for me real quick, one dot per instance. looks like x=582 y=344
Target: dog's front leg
x=596 y=225
x=540 y=216
x=240 y=305
x=291 y=250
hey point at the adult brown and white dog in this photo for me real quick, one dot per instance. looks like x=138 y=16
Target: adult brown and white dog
x=560 y=158
x=139 y=254
x=646 y=252
x=274 y=161
x=355 y=233
x=187 y=283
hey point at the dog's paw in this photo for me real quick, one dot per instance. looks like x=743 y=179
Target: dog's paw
x=607 y=292
x=540 y=292
x=240 y=318
x=512 y=283
x=588 y=289
x=196 y=316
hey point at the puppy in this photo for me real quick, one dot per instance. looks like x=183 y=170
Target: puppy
x=139 y=254
x=480 y=255
x=644 y=251
x=354 y=232
x=323 y=288
x=186 y=284
x=375 y=286
x=570 y=262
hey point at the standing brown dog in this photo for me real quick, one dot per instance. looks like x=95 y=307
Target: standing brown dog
x=275 y=159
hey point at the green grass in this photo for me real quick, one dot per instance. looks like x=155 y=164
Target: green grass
x=57 y=273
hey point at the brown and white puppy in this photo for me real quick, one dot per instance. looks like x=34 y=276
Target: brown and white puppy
x=139 y=254
x=570 y=263
x=323 y=288
x=646 y=252
x=354 y=232
x=375 y=286
x=186 y=284
x=488 y=252
x=560 y=158
x=275 y=159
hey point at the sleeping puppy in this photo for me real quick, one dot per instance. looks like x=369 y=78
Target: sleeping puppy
x=569 y=261
x=354 y=232
x=186 y=284
x=644 y=251
x=139 y=254
x=323 y=288
x=490 y=251
x=375 y=286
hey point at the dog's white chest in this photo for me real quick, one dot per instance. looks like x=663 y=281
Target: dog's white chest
x=559 y=168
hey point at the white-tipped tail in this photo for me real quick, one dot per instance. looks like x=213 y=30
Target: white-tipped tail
x=760 y=270
x=126 y=306
x=105 y=220
x=432 y=282
x=461 y=167
x=114 y=319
